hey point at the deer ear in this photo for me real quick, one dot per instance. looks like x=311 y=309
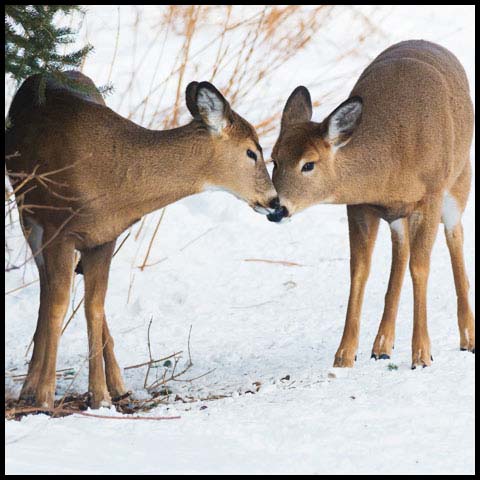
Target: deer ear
x=190 y=97
x=343 y=121
x=298 y=107
x=212 y=107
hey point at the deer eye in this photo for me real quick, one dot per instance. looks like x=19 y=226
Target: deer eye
x=308 y=167
x=252 y=155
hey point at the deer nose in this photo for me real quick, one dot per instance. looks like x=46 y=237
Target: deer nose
x=278 y=214
x=274 y=203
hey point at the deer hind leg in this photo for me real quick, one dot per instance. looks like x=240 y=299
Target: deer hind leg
x=96 y=266
x=466 y=322
x=363 y=228
x=452 y=209
x=30 y=384
x=57 y=258
x=53 y=263
x=423 y=226
x=383 y=345
x=34 y=235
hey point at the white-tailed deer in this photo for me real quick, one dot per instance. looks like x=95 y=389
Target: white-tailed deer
x=397 y=149
x=95 y=174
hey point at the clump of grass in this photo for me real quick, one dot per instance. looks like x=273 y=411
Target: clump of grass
x=392 y=366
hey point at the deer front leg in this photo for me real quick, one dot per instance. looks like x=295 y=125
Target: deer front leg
x=96 y=266
x=383 y=345
x=363 y=228
x=423 y=226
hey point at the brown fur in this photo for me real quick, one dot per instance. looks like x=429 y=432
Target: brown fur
x=109 y=172
x=410 y=148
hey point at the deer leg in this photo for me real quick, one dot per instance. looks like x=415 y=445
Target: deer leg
x=96 y=266
x=423 y=226
x=30 y=384
x=115 y=384
x=466 y=322
x=383 y=345
x=34 y=235
x=453 y=206
x=56 y=276
x=363 y=228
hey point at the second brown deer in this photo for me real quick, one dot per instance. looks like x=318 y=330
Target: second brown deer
x=92 y=175
x=398 y=149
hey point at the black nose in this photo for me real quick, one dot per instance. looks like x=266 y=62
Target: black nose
x=278 y=214
x=274 y=203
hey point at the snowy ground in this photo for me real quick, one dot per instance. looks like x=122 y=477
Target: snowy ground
x=261 y=322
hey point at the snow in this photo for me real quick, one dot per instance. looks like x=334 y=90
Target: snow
x=261 y=322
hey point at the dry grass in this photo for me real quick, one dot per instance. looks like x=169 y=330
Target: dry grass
x=241 y=51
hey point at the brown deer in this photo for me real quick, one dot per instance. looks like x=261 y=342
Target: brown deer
x=95 y=174
x=398 y=149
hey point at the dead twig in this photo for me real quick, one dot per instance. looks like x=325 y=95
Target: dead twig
x=177 y=417
x=279 y=262
x=151 y=240
x=144 y=364
x=58 y=373
x=188 y=244
x=55 y=412
x=149 y=354
x=21 y=287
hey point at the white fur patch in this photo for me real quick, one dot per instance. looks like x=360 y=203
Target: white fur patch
x=398 y=227
x=35 y=239
x=450 y=212
x=343 y=119
x=211 y=109
x=263 y=210
x=208 y=187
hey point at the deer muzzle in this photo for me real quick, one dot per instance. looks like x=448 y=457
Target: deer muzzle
x=273 y=206
x=278 y=215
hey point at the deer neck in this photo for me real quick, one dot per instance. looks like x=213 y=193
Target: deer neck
x=358 y=178
x=164 y=166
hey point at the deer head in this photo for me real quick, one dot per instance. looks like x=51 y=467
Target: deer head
x=236 y=164
x=305 y=155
